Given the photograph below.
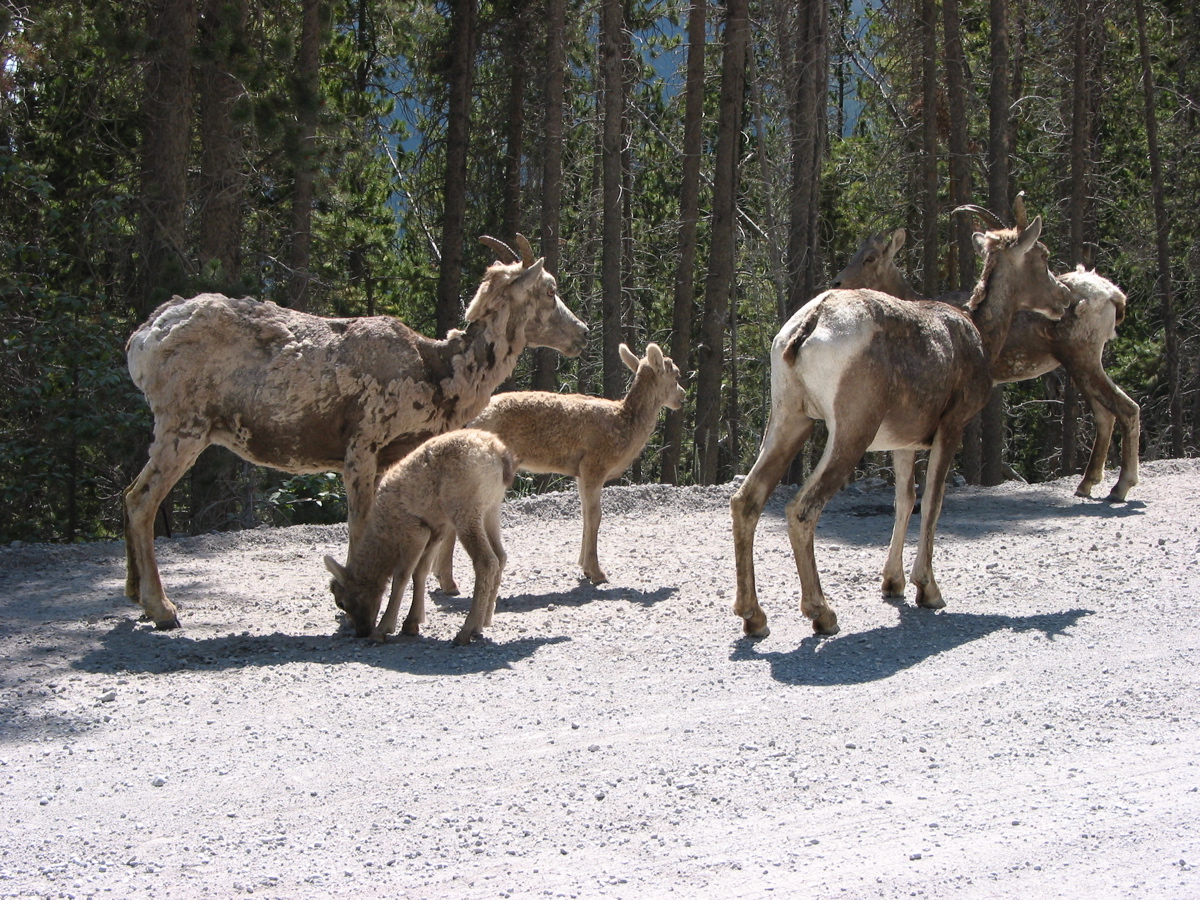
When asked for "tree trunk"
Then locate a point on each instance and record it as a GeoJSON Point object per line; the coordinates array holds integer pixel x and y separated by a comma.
{"type": "Point", "coordinates": [929, 149]}
{"type": "Point", "coordinates": [460, 83]}
{"type": "Point", "coordinates": [167, 105]}
{"type": "Point", "coordinates": [546, 360]}
{"type": "Point", "coordinates": [960, 151]}
{"type": "Point", "coordinates": [514, 145]}
{"type": "Point", "coordinates": [809, 64]}
{"type": "Point", "coordinates": [999, 150]}
{"type": "Point", "coordinates": [611, 249]}
{"type": "Point", "coordinates": [684, 305]}
{"type": "Point", "coordinates": [222, 168]}
{"type": "Point", "coordinates": [718, 285]}
{"type": "Point", "coordinates": [307, 99]}
{"type": "Point", "coordinates": [1162, 234]}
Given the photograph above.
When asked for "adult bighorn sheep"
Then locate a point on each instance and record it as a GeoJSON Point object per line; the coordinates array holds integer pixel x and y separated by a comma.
{"type": "Point", "coordinates": [454, 482]}
{"type": "Point", "coordinates": [303, 393]}
{"type": "Point", "coordinates": [591, 439]}
{"type": "Point", "coordinates": [884, 374]}
{"type": "Point", "coordinates": [1036, 345]}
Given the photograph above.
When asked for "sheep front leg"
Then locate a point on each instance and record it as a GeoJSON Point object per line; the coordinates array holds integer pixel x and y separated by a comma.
{"type": "Point", "coordinates": [171, 454]}
{"type": "Point", "coordinates": [945, 441]}
{"type": "Point", "coordinates": [359, 476]}
{"type": "Point", "coordinates": [590, 487]}
{"type": "Point", "coordinates": [412, 550]}
{"type": "Point", "coordinates": [487, 580]}
{"type": "Point", "coordinates": [904, 462]}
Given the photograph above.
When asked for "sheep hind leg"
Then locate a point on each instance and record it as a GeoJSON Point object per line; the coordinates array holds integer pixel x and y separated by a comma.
{"type": "Point", "coordinates": [475, 541]}
{"type": "Point", "coordinates": [491, 524]}
{"type": "Point", "coordinates": [416, 611]}
{"type": "Point", "coordinates": [141, 500]}
{"type": "Point", "coordinates": [443, 567]}
{"type": "Point", "coordinates": [786, 433]}
{"type": "Point", "coordinates": [843, 450]}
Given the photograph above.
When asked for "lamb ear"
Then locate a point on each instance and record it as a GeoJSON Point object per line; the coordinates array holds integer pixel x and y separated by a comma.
{"type": "Point", "coordinates": [654, 356]}
{"type": "Point", "coordinates": [979, 242]}
{"type": "Point", "coordinates": [628, 358]}
{"type": "Point", "coordinates": [339, 573]}
{"type": "Point", "coordinates": [896, 242]}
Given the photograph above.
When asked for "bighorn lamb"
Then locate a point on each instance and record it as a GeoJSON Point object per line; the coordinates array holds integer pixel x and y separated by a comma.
{"type": "Point", "coordinates": [589, 438]}
{"type": "Point", "coordinates": [1036, 345]}
{"type": "Point", "coordinates": [308, 394]}
{"type": "Point", "coordinates": [884, 374]}
{"type": "Point", "coordinates": [452, 482]}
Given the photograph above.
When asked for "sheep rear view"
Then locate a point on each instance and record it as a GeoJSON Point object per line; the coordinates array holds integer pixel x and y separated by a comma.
{"type": "Point", "coordinates": [452, 483]}
{"type": "Point", "coordinates": [591, 439]}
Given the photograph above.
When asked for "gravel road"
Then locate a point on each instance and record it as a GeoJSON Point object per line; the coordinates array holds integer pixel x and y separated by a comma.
{"type": "Point", "coordinates": [1037, 738]}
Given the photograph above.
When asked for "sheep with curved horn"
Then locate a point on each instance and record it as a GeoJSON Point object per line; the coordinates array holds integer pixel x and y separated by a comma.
{"type": "Point", "coordinates": [308, 394]}
{"type": "Point", "coordinates": [884, 374]}
{"type": "Point", "coordinates": [1035, 346]}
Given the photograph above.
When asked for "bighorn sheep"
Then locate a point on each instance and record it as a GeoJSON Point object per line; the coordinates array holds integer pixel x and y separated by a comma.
{"type": "Point", "coordinates": [308, 394]}
{"type": "Point", "coordinates": [884, 374]}
{"type": "Point", "coordinates": [452, 482]}
{"type": "Point", "coordinates": [589, 438]}
{"type": "Point", "coordinates": [1036, 345]}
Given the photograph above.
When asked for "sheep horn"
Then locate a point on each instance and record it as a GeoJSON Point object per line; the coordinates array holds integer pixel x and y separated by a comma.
{"type": "Point", "coordinates": [1021, 214]}
{"type": "Point", "coordinates": [526, 250]}
{"type": "Point", "coordinates": [507, 254]}
{"type": "Point", "coordinates": [986, 214]}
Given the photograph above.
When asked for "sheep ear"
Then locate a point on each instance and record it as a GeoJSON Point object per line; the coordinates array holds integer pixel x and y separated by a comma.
{"type": "Point", "coordinates": [628, 358]}
{"type": "Point", "coordinates": [979, 243]}
{"type": "Point", "coordinates": [654, 356]}
{"type": "Point", "coordinates": [897, 241]}
{"type": "Point", "coordinates": [339, 573]}
{"type": "Point", "coordinates": [1030, 235]}
{"type": "Point", "coordinates": [532, 274]}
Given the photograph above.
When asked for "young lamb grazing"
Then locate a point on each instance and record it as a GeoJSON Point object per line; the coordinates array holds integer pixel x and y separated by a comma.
{"type": "Point", "coordinates": [1036, 345]}
{"type": "Point", "coordinates": [884, 374]}
{"type": "Point", "coordinates": [308, 394]}
{"type": "Point", "coordinates": [454, 482]}
{"type": "Point", "coordinates": [589, 438]}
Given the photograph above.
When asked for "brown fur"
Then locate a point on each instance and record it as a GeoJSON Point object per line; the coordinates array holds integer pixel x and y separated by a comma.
{"type": "Point", "coordinates": [303, 393]}
{"type": "Point", "coordinates": [452, 482]}
{"type": "Point", "coordinates": [884, 374]}
{"type": "Point", "coordinates": [1036, 345]}
{"type": "Point", "coordinates": [591, 439]}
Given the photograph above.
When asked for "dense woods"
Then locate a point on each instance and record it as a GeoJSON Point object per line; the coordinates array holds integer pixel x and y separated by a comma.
{"type": "Point", "coordinates": [692, 171]}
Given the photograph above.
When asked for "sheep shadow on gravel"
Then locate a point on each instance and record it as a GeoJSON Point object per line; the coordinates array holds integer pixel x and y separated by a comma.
{"type": "Point", "coordinates": [125, 649]}
{"type": "Point", "coordinates": [584, 593]}
{"type": "Point", "coordinates": [879, 653]}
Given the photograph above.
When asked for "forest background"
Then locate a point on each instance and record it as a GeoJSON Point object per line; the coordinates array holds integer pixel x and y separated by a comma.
{"type": "Point", "coordinates": [692, 171]}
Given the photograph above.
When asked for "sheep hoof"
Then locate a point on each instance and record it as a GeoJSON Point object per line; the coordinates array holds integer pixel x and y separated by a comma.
{"type": "Point", "coordinates": [167, 624]}
{"type": "Point", "coordinates": [410, 628]}
{"type": "Point", "coordinates": [826, 623]}
{"type": "Point", "coordinates": [893, 589]}
{"type": "Point", "coordinates": [598, 579]}
{"type": "Point", "coordinates": [449, 588]}
{"type": "Point", "coordinates": [931, 600]}
{"type": "Point", "coordinates": [755, 625]}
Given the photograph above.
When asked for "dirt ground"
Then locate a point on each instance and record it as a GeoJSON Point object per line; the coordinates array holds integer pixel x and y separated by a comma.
{"type": "Point", "coordinates": [1037, 738]}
